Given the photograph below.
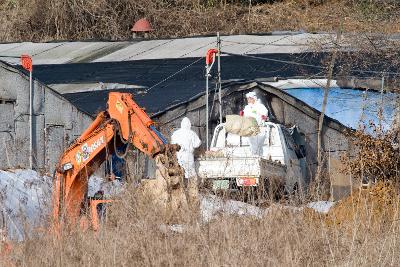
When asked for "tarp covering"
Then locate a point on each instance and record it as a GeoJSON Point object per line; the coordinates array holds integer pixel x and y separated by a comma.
{"type": "Point", "coordinates": [351, 107]}
{"type": "Point", "coordinates": [24, 201]}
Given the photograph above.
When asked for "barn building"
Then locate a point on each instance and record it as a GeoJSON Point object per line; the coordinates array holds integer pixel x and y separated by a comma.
{"type": "Point", "coordinates": [56, 122]}
{"type": "Point", "coordinates": [166, 77]}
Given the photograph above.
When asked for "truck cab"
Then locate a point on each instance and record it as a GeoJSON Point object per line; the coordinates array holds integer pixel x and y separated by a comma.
{"type": "Point", "coordinates": [230, 159]}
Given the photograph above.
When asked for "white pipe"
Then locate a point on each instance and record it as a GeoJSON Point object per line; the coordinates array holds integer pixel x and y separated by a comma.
{"type": "Point", "coordinates": [219, 77]}
{"type": "Point", "coordinates": [30, 121]}
{"type": "Point", "coordinates": [207, 70]}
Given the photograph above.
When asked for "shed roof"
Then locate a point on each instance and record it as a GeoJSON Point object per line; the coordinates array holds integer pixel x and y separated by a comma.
{"type": "Point", "coordinates": [85, 52]}
{"type": "Point", "coordinates": [161, 73]}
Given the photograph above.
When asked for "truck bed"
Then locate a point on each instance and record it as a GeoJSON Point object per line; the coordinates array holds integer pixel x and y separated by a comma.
{"type": "Point", "coordinates": [222, 167]}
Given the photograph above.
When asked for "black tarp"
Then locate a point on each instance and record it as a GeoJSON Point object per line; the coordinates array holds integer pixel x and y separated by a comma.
{"type": "Point", "coordinates": [175, 80]}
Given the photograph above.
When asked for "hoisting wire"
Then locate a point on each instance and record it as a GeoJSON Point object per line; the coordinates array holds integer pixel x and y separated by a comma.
{"type": "Point", "coordinates": [214, 98]}
{"type": "Point", "coordinates": [127, 142]}
{"type": "Point", "coordinates": [108, 163]}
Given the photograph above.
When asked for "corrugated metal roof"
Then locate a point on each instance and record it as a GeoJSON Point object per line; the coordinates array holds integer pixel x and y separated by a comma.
{"type": "Point", "coordinates": [85, 52]}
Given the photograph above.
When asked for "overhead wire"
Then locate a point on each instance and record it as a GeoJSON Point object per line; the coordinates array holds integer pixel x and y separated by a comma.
{"type": "Point", "coordinates": [309, 65]}
{"type": "Point", "coordinates": [274, 60]}
{"type": "Point", "coordinates": [151, 87]}
{"type": "Point", "coordinates": [185, 67]}
{"type": "Point", "coordinates": [174, 74]}
{"type": "Point", "coordinates": [272, 43]}
{"type": "Point", "coordinates": [294, 62]}
{"type": "Point", "coordinates": [147, 50]}
{"type": "Point", "coordinates": [263, 44]}
{"type": "Point", "coordinates": [165, 79]}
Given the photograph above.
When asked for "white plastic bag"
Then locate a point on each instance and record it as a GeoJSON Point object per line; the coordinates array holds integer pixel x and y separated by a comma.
{"type": "Point", "coordinates": [243, 126]}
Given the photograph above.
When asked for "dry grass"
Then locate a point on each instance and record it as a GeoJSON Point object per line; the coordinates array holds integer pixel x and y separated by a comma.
{"type": "Point", "coordinates": [44, 20]}
{"type": "Point", "coordinates": [132, 236]}
{"type": "Point", "coordinates": [363, 229]}
{"type": "Point", "coordinates": [377, 154]}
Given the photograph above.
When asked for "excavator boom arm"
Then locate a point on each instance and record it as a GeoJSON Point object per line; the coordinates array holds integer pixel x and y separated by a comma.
{"type": "Point", "coordinates": [124, 120]}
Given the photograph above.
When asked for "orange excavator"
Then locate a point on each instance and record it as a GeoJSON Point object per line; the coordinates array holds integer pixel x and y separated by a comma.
{"type": "Point", "coordinates": [123, 123]}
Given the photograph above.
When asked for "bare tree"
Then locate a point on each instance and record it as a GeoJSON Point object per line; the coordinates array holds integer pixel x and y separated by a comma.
{"type": "Point", "coordinates": [322, 115]}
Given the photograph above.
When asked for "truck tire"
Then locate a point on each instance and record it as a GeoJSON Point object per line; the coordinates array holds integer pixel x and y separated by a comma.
{"type": "Point", "coordinates": [273, 188]}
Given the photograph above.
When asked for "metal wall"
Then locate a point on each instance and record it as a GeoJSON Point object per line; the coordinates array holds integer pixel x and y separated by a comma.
{"type": "Point", "coordinates": [56, 122]}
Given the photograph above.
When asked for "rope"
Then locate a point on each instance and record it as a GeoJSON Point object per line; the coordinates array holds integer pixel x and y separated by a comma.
{"type": "Point", "coordinates": [108, 164]}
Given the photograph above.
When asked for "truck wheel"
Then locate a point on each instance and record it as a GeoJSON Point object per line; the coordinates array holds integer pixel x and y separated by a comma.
{"type": "Point", "coordinates": [273, 189]}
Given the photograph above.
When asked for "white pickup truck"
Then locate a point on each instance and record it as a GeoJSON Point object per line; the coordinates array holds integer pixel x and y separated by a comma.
{"type": "Point", "coordinates": [230, 164]}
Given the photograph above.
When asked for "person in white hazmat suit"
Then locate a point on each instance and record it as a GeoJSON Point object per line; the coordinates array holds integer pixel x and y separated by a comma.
{"type": "Point", "coordinates": [257, 110]}
{"type": "Point", "coordinates": [188, 141]}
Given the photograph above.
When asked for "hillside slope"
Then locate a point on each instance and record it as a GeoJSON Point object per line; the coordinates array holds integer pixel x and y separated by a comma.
{"type": "Point", "coordinates": [45, 20]}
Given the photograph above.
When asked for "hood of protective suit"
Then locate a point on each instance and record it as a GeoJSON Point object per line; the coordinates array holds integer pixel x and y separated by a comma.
{"type": "Point", "coordinates": [185, 124]}
{"type": "Point", "coordinates": [252, 95]}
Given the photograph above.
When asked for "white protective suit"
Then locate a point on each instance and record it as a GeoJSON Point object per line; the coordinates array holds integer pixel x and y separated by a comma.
{"type": "Point", "coordinates": [259, 112]}
{"type": "Point", "coordinates": [188, 140]}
